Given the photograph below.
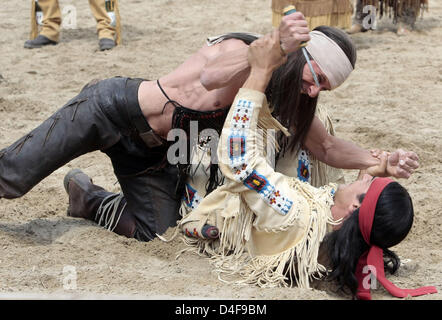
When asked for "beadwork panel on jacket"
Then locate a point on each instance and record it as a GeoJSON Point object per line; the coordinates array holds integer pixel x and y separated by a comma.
{"type": "Point", "coordinates": [241, 168]}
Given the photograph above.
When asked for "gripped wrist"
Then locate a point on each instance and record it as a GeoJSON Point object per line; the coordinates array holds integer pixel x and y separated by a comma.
{"type": "Point", "coordinates": [261, 73]}
{"type": "Point", "coordinates": [258, 79]}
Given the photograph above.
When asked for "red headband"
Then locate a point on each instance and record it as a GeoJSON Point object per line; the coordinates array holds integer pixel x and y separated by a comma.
{"type": "Point", "coordinates": [372, 261]}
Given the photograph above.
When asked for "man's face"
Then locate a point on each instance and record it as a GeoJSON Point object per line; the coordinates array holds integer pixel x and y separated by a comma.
{"type": "Point", "coordinates": [308, 82]}
{"type": "Point", "coordinates": [350, 192]}
{"type": "Point", "coordinates": [348, 198]}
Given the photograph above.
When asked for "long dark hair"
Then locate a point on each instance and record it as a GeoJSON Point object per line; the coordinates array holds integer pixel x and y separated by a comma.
{"type": "Point", "coordinates": [392, 221]}
{"type": "Point", "coordinates": [292, 108]}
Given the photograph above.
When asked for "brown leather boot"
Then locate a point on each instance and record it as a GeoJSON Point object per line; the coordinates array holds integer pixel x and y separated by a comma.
{"type": "Point", "coordinates": [84, 197]}
{"type": "Point", "coordinates": [89, 201]}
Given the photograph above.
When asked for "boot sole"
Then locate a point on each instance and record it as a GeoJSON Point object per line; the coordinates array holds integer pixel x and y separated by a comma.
{"type": "Point", "coordinates": [105, 48]}
{"type": "Point", "coordinates": [31, 46]}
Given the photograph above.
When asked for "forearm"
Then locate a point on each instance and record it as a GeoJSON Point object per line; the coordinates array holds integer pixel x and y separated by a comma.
{"type": "Point", "coordinates": [243, 163]}
{"type": "Point", "coordinates": [336, 152]}
{"type": "Point", "coordinates": [344, 154]}
{"type": "Point", "coordinates": [236, 147]}
{"type": "Point", "coordinates": [239, 133]}
{"type": "Point", "coordinates": [243, 117]}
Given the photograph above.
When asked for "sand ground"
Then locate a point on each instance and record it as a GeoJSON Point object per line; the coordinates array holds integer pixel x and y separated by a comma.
{"type": "Point", "coordinates": [393, 99]}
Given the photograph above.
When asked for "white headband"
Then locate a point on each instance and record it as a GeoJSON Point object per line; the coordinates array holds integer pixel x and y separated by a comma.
{"type": "Point", "coordinates": [330, 58]}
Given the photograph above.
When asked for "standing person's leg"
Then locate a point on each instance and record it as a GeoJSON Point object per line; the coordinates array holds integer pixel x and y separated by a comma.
{"type": "Point", "coordinates": [104, 13]}
{"type": "Point", "coordinates": [358, 19]}
{"type": "Point", "coordinates": [80, 126]}
{"type": "Point", "coordinates": [50, 31]}
{"type": "Point", "coordinates": [406, 21]}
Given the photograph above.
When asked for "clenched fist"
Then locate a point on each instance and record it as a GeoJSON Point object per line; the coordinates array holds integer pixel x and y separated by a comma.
{"type": "Point", "coordinates": [293, 30]}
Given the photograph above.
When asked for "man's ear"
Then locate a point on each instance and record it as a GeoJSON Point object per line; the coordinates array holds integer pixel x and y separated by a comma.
{"type": "Point", "coordinates": [355, 204]}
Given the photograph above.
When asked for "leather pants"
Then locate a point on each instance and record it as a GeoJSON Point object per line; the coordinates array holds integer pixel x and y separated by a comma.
{"type": "Point", "coordinates": [98, 118]}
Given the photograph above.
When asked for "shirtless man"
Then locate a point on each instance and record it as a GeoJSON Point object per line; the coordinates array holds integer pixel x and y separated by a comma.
{"type": "Point", "coordinates": [128, 119]}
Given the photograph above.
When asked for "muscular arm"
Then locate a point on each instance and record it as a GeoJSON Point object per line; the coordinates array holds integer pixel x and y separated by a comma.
{"type": "Point", "coordinates": [337, 152]}
{"type": "Point", "coordinates": [228, 64]}
{"type": "Point", "coordinates": [231, 62]}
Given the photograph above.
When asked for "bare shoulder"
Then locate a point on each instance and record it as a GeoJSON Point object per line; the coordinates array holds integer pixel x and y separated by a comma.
{"type": "Point", "coordinates": [232, 44]}
{"type": "Point", "coordinates": [224, 46]}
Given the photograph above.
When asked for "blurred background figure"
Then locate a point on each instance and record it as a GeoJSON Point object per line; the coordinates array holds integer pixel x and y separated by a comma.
{"type": "Point", "coordinates": [403, 12]}
{"type": "Point", "coordinates": [333, 13]}
{"type": "Point", "coordinates": [46, 13]}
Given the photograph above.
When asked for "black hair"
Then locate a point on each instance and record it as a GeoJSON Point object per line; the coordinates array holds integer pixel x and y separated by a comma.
{"type": "Point", "coordinates": [392, 221]}
{"type": "Point", "coordinates": [292, 108]}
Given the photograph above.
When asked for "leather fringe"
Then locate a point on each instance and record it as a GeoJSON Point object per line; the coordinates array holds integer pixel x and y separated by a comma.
{"type": "Point", "coordinates": [297, 265]}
